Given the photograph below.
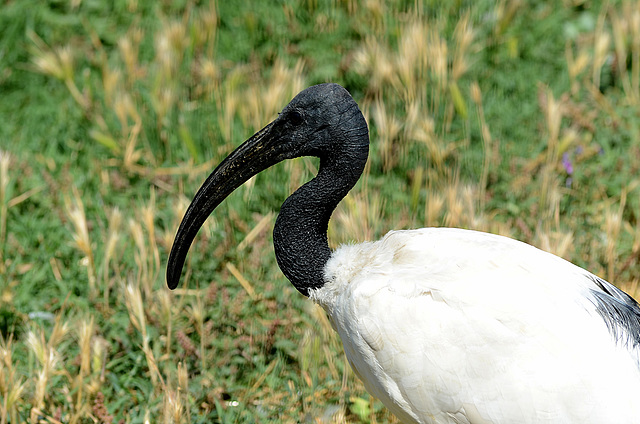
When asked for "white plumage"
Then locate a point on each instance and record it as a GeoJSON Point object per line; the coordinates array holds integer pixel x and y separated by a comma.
{"type": "Point", "coordinates": [456, 326]}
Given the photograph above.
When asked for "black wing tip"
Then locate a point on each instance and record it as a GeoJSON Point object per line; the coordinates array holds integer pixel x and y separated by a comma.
{"type": "Point", "coordinates": [620, 312]}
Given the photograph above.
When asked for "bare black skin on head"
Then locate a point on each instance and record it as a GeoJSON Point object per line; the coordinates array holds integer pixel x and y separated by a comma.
{"type": "Point", "coordinates": [322, 121]}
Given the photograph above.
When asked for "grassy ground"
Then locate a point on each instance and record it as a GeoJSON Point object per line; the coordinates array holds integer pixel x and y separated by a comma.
{"type": "Point", "coordinates": [516, 117]}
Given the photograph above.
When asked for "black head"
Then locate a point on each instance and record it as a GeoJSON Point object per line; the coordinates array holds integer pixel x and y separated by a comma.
{"type": "Point", "coordinates": [318, 121]}
{"type": "Point", "coordinates": [322, 121]}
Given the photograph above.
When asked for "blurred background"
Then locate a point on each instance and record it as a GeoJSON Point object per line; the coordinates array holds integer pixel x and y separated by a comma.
{"type": "Point", "coordinates": [515, 117]}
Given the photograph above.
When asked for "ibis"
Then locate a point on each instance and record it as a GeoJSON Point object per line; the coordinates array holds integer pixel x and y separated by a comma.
{"type": "Point", "coordinates": [443, 325]}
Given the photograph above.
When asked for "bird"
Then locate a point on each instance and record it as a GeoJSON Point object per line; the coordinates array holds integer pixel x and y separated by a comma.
{"type": "Point", "coordinates": [443, 325]}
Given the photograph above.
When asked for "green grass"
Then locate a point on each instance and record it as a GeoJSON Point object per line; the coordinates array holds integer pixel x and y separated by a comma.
{"type": "Point", "coordinates": [112, 115]}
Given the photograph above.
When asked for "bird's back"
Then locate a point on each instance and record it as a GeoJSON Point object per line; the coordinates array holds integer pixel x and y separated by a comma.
{"type": "Point", "coordinates": [457, 326]}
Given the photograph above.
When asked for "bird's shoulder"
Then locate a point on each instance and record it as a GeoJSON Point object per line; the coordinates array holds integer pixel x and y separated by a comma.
{"type": "Point", "coordinates": [446, 258]}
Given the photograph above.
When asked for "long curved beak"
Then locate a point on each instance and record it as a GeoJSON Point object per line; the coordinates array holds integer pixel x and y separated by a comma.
{"type": "Point", "coordinates": [256, 154]}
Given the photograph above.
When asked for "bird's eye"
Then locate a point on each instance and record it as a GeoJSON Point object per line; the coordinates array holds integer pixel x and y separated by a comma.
{"type": "Point", "coordinates": [295, 117]}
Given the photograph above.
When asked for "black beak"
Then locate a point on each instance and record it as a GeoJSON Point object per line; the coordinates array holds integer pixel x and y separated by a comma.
{"type": "Point", "coordinates": [256, 154]}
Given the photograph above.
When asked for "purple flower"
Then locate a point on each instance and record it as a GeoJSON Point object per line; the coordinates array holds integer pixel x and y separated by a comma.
{"type": "Point", "coordinates": [566, 163]}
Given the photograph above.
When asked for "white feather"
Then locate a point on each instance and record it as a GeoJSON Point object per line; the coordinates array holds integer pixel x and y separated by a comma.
{"type": "Point", "coordinates": [457, 326]}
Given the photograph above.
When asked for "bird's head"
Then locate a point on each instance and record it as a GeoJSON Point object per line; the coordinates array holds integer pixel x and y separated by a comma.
{"type": "Point", "coordinates": [323, 121]}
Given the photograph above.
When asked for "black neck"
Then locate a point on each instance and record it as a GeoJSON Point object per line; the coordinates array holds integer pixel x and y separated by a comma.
{"type": "Point", "coordinates": [300, 232]}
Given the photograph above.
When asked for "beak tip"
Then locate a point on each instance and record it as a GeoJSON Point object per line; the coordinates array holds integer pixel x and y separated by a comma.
{"type": "Point", "coordinates": [173, 278]}
{"type": "Point", "coordinates": [176, 259]}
